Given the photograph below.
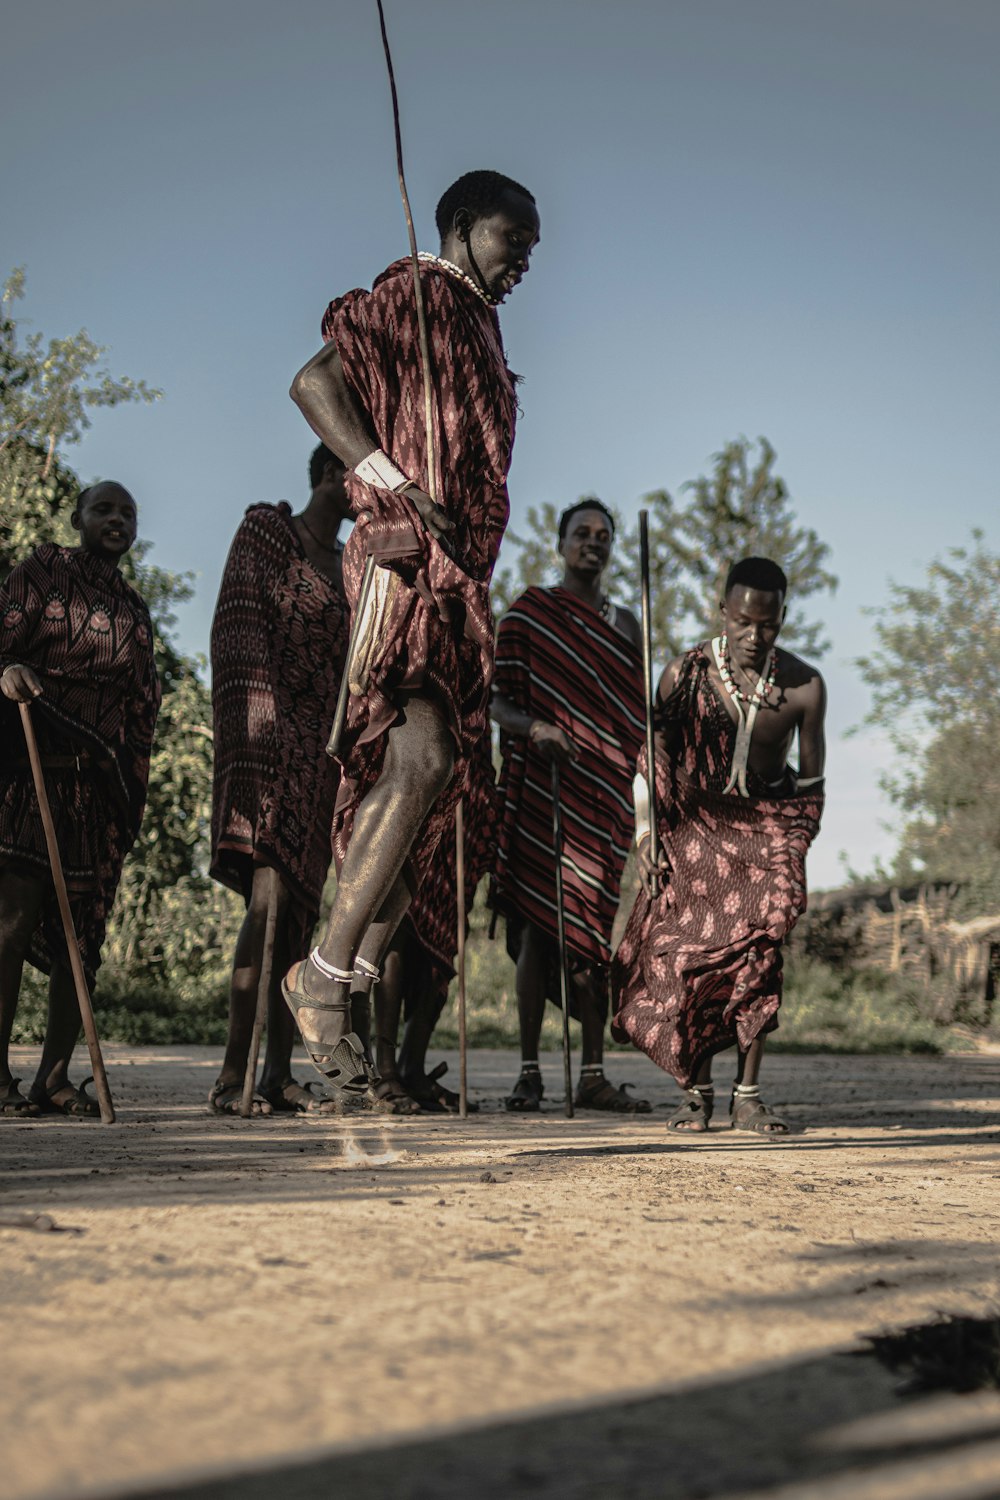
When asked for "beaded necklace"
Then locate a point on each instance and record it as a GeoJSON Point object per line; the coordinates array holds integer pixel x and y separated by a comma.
{"type": "Point", "coordinates": [460, 275]}
{"type": "Point", "coordinates": [744, 721]}
{"type": "Point", "coordinates": [764, 686]}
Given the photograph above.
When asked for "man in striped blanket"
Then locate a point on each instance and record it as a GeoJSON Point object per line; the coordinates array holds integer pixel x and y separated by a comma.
{"type": "Point", "coordinates": [567, 690]}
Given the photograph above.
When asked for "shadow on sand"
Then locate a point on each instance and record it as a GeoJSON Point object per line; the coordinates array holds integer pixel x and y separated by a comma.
{"type": "Point", "coordinates": [833, 1426]}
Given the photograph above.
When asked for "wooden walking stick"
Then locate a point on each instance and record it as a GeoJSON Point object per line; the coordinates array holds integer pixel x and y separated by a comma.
{"type": "Point", "coordinates": [263, 994]}
{"type": "Point", "coordinates": [557, 841]}
{"type": "Point", "coordinates": [463, 1077]}
{"type": "Point", "coordinates": [72, 946]}
{"type": "Point", "coordinates": [647, 683]}
{"type": "Point", "coordinates": [425, 364]}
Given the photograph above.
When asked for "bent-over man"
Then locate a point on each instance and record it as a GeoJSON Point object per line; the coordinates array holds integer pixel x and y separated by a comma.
{"type": "Point", "coordinates": [279, 641]}
{"type": "Point", "coordinates": [568, 691]}
{"type": "Point", "coordinates": [420, 680]}
{"type": "Point", "coordinates": [699, 966]}
{"type": "Point", "coordinates": [76, 642]}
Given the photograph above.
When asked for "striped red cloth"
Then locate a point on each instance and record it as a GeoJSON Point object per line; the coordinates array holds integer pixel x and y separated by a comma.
{"type": "Point", "coordinates": [561, 661]}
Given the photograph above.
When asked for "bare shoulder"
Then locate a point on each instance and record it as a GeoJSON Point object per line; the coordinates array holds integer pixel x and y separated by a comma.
{"type": "Point", "coordinates": [670, 678]}
{"type": "Point", "coordinates": [800, 678]}
{"type": "Point", "coordinates": [626, 622]}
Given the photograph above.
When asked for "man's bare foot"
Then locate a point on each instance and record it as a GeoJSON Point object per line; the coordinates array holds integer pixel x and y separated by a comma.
{"type": "Point", "coordinates": [292, 1097]}
{"type": "Point", "coordinates": [65, 1099]}
{"type": "Point", "coordinates": [225, 1097]}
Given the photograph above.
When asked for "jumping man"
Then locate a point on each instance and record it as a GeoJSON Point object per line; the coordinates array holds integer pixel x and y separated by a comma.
{"type": "Point", "coordinates": [420, 681]}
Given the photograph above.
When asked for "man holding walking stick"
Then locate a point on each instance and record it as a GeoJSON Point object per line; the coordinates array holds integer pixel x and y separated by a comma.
{"type": "Point", "coordinates": [76, 643]}
{"type": "Point", "coordinates": [420, 677]}
{"type": "Point", "coordinates": [567, 692]}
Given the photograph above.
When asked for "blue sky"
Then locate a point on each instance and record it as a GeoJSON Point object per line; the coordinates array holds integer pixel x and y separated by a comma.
{"type": "Point", "coordinates": [771, 217]}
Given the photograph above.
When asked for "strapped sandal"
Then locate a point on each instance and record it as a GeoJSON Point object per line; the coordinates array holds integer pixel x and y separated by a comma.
{"type": "Point", "coordinates": [693, 1116]}
{"type": "Point", "coordinates": [747, 1111]}
{"type": "Point", "coordinates": [14, 1104]}
{"type": "Point", "coordinates": [294, 1098]}
{"type": "Point", "coordinates": [433, 1097]}
{"type": "Point", "coordinates": [226, 1098]}
{"type": "Point", "coordinates": [387, 1096]}
{"type": "Point", "coordinates": [594, 1091]}
{"type": "Point", "coordinates": [343, 1062]}
{"type": "Point", "coordinates": [80, 1105]}
{"type": "Point", "coordinates": [526, 1095]}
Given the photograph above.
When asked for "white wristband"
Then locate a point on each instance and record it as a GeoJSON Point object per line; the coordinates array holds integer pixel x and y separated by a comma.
{"type": "Point", "coordinates": [378, 469]}
{"type": "Point", "coordinates": [640, 796]}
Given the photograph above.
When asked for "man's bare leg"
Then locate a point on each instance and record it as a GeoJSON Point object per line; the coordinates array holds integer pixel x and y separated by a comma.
{"type": "Point", "coordinates": [247, 960]}
{"type": "Point", "coordinates": [695, 1113]}
{"type": "Point", "coordinates": [21, 899]}
{"type": "Point", "coordinates": [532, 962]}
{"type": "Point", "coordinates": [419, 762]}
{"type": "Point", "coordinates": [594, 1090]}
{"type": "Point", "coordinates": [749, 1112]}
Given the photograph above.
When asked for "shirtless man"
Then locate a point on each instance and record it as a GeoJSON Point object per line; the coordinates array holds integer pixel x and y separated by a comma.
{"type": "Point", "coordinates": [699, 967]}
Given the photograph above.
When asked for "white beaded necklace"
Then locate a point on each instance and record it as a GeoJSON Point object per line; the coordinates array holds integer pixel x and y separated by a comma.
{"type": "Point", "coordinates": [754, 701]}
{"type": "Point", "coordinates": [459, 274]}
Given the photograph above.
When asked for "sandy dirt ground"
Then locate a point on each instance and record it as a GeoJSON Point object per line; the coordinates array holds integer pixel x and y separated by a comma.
{"type": "Point", "coordinates": [510, 1306]}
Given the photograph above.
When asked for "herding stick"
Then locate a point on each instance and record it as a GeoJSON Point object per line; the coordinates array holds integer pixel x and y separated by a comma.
{"type": "Point", "coordinates": [425, 363]}
{"type": "Point", "coordinates": [557, 842]}
{"type": "Point", "coordinates": [72, 946]}
{"type": "Point", "coordinates": [263, 994]}
{"type": "Point", "coordinates": [647, 683]}
{"type": "Point", "coordinates": [463, 1078]}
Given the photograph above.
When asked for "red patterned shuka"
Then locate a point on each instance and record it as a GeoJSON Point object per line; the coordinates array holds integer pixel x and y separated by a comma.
{"type": "Point", "coordinates": [87, 635]}
{"type": "Point", "coordinates": [279, 639]}
{"type": "Point", "coordinates": [437, 638]}
{"type": "Point", "coordinates": [699, 966]}
{"type": "Point", "coordinates": [561, 661]}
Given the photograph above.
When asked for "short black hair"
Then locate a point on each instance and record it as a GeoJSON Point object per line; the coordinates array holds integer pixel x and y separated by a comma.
{"type": "Point", "coordinates": [101, 484]}
{"type": "Point", "coordinates": [318, 460]}
{"type": "Point", "coordinates": [479, 192]}
{"type": "Point", "coordinates": [588, 502]}
{"type": "Point", "coordinates": [757, 573]}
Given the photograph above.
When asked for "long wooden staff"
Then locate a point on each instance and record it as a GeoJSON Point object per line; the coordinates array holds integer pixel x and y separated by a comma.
{"type": "Point", "coordinates": [263, 994]}
{"type": "Point", "coordinates": [647, 683]}
{"type": "Point", "coordinates": [432, 490]}
{"type": "Point", "coordinates": [557, 842]}
{"type": "Point", "coordinates": [368, 575]}
{"type": "Point", "coordinates": [463, 1078]}
{"type": "Point", "coordinates": [72, 946]}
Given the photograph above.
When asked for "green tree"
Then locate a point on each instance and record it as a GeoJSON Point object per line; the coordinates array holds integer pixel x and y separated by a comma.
{"type": "Point", "coordinates": [742, 507]}
{"type": "Point", "coordinates": [48, 391]}
{"type": "Point", "coordinates": [934, 675]}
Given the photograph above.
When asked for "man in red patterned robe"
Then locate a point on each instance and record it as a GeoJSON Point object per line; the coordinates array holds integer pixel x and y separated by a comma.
{"type": "Point", "coordinates": [568, 690]}
{"type": "Point", "coordinates": [279, 642]}
{"type": "Point", "coordinates": [699, 966]}
{"type": "Point", "coordinates": [76, 642]}
{"type": "Point", "coordinates": [420, 686]}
